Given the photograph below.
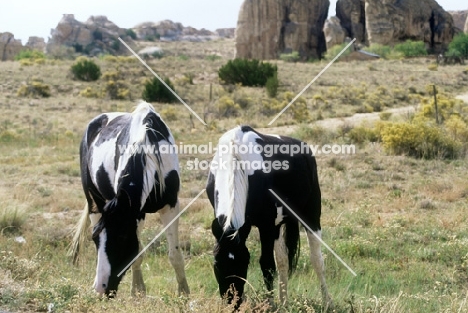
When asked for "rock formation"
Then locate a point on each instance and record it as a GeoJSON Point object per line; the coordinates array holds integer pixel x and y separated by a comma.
{"type": "Point", "coordinates": [352, 16]}
{"type": "Point", "coordinates": [36, 43]}
{"type": "Point", "coordinates": [267, 28]}
{"type": "Point", "coordinates": [334, 33]}
{"type": "Point", "coordinates": [9, 46]}
{"type": "Point", "coordinates": [168, 30]}
{"type": "Point", "coordinates": [459, 19]}
{"type": "Point", "coordinates": [466, 26]}
{"type": "Point", "coordinates": [391, 21]}
{"type": "Point", "coordinates": [97, 35]}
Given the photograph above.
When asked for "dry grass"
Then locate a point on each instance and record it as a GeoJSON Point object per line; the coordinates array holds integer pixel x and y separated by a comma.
{"type": "Point", "coordinates": [399, 222]}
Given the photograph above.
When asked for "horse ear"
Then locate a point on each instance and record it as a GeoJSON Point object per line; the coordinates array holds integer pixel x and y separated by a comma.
{"type": "Point", "coordinates": [216, 229]}
{"type": "Point", "coordinates": [123, 199]}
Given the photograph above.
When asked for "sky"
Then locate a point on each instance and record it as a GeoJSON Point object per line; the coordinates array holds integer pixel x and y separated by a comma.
{"type": "Point", "coordinates": [26, 18]}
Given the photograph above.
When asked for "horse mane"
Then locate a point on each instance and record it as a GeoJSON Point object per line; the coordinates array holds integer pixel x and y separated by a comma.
{"type": "Point", "coordinates": [142, 140]}
{"type": "Point", "coordinates": [233, 180]}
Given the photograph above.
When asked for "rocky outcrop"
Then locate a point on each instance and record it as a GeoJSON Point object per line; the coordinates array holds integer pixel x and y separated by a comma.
{"type": "Point", "coordinates": [334, 33]}
{"type": "Point", "coordinates": [97, 35]}
{"type": "Point", "coordinates": [36, 43]}
{"type": "Point", "coordinates": [466, 27]}
{"type": "Point", "coordinates": [352, 16]}
{"type": "Point", "coordinates": [459, 19]}
{"type": "Point", "coordinates": [267, 28]}
{"type": "Point", "coordinates": [168, 30]}
{"type": "Point", "coordinates": [391, 21]}
{"type": "Point", "coordinates": [388, 22]}
{"type": "Point", "coordinates": [9, 46]}
{"type": "Point", "coordinates": [226, 32]}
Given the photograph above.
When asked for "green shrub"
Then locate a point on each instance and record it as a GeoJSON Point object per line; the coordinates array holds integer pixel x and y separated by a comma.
{"type": "Point", "coordinates": [419, 139]}
{"type": "Point", "coordinates": [298, 109]}
{"type": "Point", "coordinates": [155, 91]}
{"type": "Point", "coordinates": [169, 113]}
{"type": "Point", "coordinates": [131, 33]}
{"type": "Point", "coordinates": [335, 50]}
{"type": "Point", "coordinates": [212, 57]}
{"type": "Point", "coordinates": [86, 70]}
{"type": "Point", "coordinates": [227, 107]}
{"type": "Point", "coordinates": [34, 88]}
{"type": "Point", "coordinates": [271, 106]}
{"type": "Point", "coordinates": [460, 44]}
{"type": "Point", "coordinates": [90, 92]}
{"type": "Point", "coordinates": [271, 85]}
{"type": "Point", "coordinates": [290, 57]}
{"type": "Point", "coordinates": [115, 86]}
{"type": "Point", "coordinates": [362, 134]}
{"type": "Point", "coordinates": [29, 54]}
{"type": "Point", "coordinates": [411, 48]}
{"type": "Point", "coordinates": [381, 50]}
{"type": "Point", "coordinates": [246, 72]}
{"type": "Point", "coordinates": [11, 220]}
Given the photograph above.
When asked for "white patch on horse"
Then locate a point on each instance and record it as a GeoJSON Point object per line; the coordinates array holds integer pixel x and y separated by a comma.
{"type": "Point", "coordinates": [103, 155]}
{"type": "Point", "coordinates": [279, 215]}
{"type": "Point", "coordinates": [274, 135]}
{"type": "Point", "coordinates": [103, 269]}
{"type": "Point", "coordinates": [235, 159]}
{"type": "Point", "coordinates": [231, 256]}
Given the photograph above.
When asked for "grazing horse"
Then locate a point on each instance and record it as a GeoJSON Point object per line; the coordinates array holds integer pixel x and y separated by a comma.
{"type": "Point", "coordinates": [246, 165]}
{"type": "Point", "coordinates": [124, 176]}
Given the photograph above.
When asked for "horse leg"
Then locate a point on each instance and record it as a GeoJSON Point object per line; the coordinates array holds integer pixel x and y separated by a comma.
{"type": "Point", "coordinates": [267, 260]}
{"type": "Point", "coordinates": [282, 264]}
{"type": "Point", "coordinates": [138, 285]}
{"type": "Point", "coordinates": [317, 263]}
{"type": "Point", "coordinates": [175, 256]}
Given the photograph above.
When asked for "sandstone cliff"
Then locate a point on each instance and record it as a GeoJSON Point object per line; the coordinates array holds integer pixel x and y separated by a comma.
{"type": "Point", "coordinates": [267, 28]}
{"type": "Point", "coordinates": [391, 21]}
{"type": "Point", "coordinates": [352, 16]}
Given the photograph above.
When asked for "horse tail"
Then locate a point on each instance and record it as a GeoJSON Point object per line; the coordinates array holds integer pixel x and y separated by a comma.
{"type": "Point", "coordinates": [80, 235]}
{"type": "Point", "coordinates": [293, 243]}
{"type": "Point", "coordinates": [232, 181]}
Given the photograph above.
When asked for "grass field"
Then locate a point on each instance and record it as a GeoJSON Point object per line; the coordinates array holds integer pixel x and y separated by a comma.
{"type": "Point", "coordinates": [399, 222]}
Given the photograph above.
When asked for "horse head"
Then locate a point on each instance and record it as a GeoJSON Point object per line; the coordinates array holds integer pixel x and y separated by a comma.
{"type": "Point", "coordinates": [115, 236]}
{"type": "Point", "coordinates": [231, 260]}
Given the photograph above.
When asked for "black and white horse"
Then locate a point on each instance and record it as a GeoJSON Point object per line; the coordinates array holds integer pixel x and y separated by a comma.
{"type": "Point", "coordinates": [246, 165]}
{"type": "Point", "coordinates": [124, 176]}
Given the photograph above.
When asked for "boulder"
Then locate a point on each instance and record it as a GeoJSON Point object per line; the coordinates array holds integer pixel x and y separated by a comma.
{"type": "Point", "coordinates": [9, 46]}
{"type": "Point", "coordinates": [334, 33]}
{"type": "Point", "coordinates": [267, 28]}
{"type": "Point", "coordinates": [392, 21]}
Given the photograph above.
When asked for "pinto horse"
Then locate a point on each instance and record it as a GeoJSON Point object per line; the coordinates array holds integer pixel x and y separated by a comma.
{"type": "Point", "coordinates": [124, 176]}
{"type": "Point", "coordinates": [246, 165]}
